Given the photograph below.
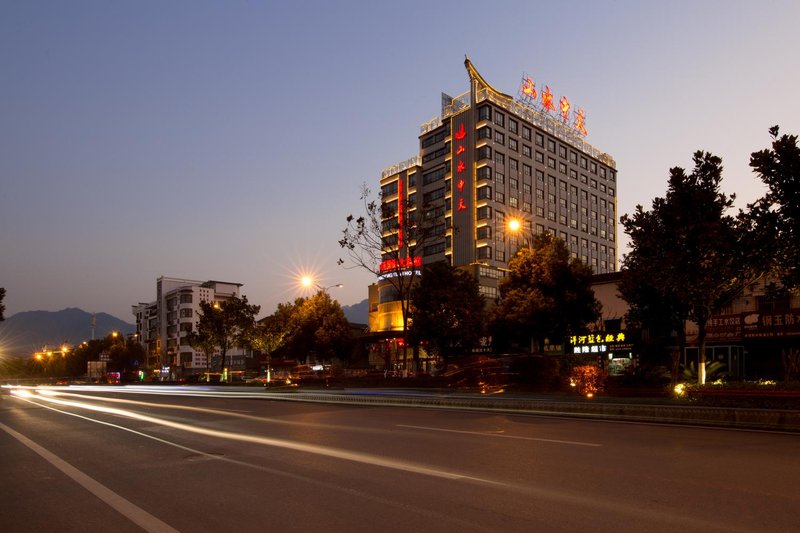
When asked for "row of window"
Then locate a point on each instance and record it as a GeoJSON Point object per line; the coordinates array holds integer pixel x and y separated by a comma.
{"type": "Point", "coordinates": [485, 113]}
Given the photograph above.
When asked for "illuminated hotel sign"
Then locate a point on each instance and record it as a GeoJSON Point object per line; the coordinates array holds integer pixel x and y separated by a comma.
{"type": "Point", "coordinates": [401, 263]}
{"type": "Point", "coordinates": [542, 101]}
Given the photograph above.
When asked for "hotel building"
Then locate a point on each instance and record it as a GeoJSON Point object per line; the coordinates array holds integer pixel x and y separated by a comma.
{"type": "Point", "coordinates": [490, 158]}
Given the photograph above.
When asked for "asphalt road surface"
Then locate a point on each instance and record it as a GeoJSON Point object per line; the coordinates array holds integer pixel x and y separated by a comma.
{"type": "Point", "coordinates": [122, 459]}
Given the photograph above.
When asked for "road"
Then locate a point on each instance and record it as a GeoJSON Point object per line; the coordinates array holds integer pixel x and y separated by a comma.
{"type": "Point", "coordinates": [125, 459]}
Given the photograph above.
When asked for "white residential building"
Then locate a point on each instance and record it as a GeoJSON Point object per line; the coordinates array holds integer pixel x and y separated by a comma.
{"type": "Point", "coordinates": [162, 326]}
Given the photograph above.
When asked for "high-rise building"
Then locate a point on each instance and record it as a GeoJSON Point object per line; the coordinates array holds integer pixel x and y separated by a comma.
{"type": "Point", "coordinates": [163, 325]}
{"type": "Point", "coordinates": [488, 159]}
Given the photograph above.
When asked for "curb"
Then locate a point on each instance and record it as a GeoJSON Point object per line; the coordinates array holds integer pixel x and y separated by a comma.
{"type": "Point", "coordinates": [761, 419]}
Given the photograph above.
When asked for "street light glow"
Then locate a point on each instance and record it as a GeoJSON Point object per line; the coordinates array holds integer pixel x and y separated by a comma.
{"type": "Point", "coordinates": [514, 224]}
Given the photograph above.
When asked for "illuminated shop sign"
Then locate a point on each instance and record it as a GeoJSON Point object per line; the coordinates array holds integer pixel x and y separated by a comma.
{"type": "Point", "coordinates": [752, 325]}
{"type": "Point", "coordinates": [542, 101]}
{"type": "Point", "coordinates": [601, 342]}
{"type": "Point", "coordinates": [461, 167]}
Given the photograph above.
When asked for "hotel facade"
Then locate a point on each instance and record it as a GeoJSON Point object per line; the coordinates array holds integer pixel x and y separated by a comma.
{"type": "Point", "coordinates": [490, 158]}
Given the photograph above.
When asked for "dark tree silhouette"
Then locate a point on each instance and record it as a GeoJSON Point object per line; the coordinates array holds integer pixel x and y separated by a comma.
{"type": "Point", "coordinates": [546, 294]}
{"type": "Point", "coordinates": [447, 310]}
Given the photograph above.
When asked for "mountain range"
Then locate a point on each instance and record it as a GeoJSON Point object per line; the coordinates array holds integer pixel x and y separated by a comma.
{"type": "Point", "coordinates": [24, 333]}
{"type": "Point", "coordinates": [357, 313]}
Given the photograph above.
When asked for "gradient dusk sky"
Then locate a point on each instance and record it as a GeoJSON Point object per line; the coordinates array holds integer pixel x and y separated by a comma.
{"type": "Point", "coordinates": [228, 140]}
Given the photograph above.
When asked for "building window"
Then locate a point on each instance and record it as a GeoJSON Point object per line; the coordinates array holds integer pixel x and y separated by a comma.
{"type": "Point", "coordinates": [431, 177]}
{"type": "Point", "coordinates": [593, 184]}
{"type": "Point", "coordinates": [513, 201]}
{"type": "Point", "coordinates": [499, 158]}
{"type": "Point", "coordinates": [484, 173]}
{"type": "Point", "coordinates": [500, 197]}
{"type": "Point", "coordinates": [562, 167]}
{"type": "Point", "coordinates": [551, 162]}
{"type": "Point", "coordinates": [526, 206]}
{"type": "Point", "coordinates": [500, 178]}
{"type": "Point", "coordinates": [540, 140]}
{"type": "Point", "coordinates": [434, 249]}
{"type": "Point", "coordinates": [562, 151]}
{"type": "Point", "coordinates": [539, 157]}
{"type": "Point", "coordinates": [513, 163]}
{"type": "Point", "coordinates": [593, 167]}
{"type": "Point", "coordinates": [540, 176]}
{"type": "Point", "coordinates": [551, 146]}
{"type": "Point", "coordinates": [389, 189]}
{"type": "Point", "coordinates": [499, 119]}
{"type": "Point", "coordinates": [484, 212]}
{"type": "Point", "coordinates": [526, 169]}
{"type": "Point", "coordinates": [485, 133]}
{"type": "Point", "coordinates": [485, 252]}
{"type": "Point", "coordinates": [512, 125]}
{"type": "Point", "coordinates": [484, 193]}
{"type": "Point", "coordinates": [540, 212]}
{"type": "Point", "coordinates": [485, 113]}
{"type": "Point", "coordinates": [551, 198]}
{"type": "Point", "coordinates": [573, 157]}
{"type": "Point", "coordinates": [484, 232]}
{"type": "Point", "coordinates": [489, 292]}
{"type": "Point", "coordinates": [484, 152]}
{"type": "Point", "coordinates": [526, 133]}
{"type": "Point", "coordinates": [539, 193]}
{"type": "Point", "coordinates": [186, 298]}
{"type": "Point", "coordinates": [499, 137]}
{"type": "Point", "coordinates": [611, 191]}
{"type": "Point", "coordinates": [526, 150]}
{"type": "Point", "coordinates": [526, 188]}
{"type": "Point", "coordinates": [186, 313]}
{"type": "Point", "coordinates": [513, 182]}
{"type": "Point", "coordinates": [500, 255]}
{"type": "Point", "coordinates": [512, 144]}
{"type": "Point", "coordinates": [583, 163]}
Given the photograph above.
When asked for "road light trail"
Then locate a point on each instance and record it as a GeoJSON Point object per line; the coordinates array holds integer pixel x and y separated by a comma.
{"type": "Point", "coordinates": [337, 453]}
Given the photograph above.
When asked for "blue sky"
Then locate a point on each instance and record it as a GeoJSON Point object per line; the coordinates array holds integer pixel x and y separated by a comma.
{"type": "Point", "coordinates": [228, 140]}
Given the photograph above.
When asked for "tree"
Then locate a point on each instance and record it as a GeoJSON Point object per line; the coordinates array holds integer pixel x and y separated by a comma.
{"type": "Point", "coordinates": [202, 341]}
{"type": "Point", "coordinates": [227, 324]}
{"type": "Point", "coordinates": [385, 241]}
{"type": "Point", "coordinates": [447, 310]}
{"type": "Point", "coordinates": [546, 294]}
{"type": "Point", "coordinates": [686, 253]}
{"type": "Point", "coordinates": [2, 306]}
{"type": "Point", "coordinates": [319, 326]}
{"type": "Point", "coordinates": [272, 332]}
{"type": "Point", "coordinates": [776, 216]}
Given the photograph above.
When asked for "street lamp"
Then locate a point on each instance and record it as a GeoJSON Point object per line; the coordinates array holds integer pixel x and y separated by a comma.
{"type": "Point", "coordinates": [308, 282]}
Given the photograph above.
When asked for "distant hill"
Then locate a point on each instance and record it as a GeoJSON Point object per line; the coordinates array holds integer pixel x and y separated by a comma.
{"type": "Point", "coordinates": [24, 333]}
{"type": "Point", "coordinates": [358, 313]}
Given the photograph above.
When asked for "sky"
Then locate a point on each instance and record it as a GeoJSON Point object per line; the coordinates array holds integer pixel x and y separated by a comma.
{"type": "Point", "coordinates": [229, 140]}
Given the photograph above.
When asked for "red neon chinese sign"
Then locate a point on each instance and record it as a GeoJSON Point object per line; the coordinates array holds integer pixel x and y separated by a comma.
{"type": "Point", "coordinates": [401, 263]}
{"type": "Point", "coordinates": [564, 108]}
{"type": "Point", "coordinates": [529, 88]}
{"type": "Point", "coordinates": [545, 103]}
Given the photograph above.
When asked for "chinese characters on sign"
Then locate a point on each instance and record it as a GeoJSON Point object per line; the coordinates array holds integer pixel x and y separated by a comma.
{"type": "Point", "coordinates": [595, 342]}
{"type": "Point", "coordinates": [461, 167]}
{"type": "Point", "coordinates": [543, 101]}
{"type": "Point", "coordinates": [402, 263]}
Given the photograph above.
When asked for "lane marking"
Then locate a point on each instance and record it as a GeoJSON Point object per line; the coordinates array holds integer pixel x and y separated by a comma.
{"type": "Point", "coordinates": [128, 509]}
{"type": "Point", "coordinates": [556, 441]}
